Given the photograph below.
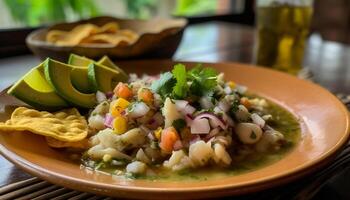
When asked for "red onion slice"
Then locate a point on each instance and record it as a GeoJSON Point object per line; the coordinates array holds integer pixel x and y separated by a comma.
{"type": "Point", "coordinates": [108, 120]}
{"type": "Point", "coordinates": [214, 120]}
{"type": "Point", "coordinates": [109, 95]}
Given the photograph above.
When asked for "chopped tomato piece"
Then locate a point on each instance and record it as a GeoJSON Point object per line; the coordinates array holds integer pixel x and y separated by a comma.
{"type": "Point", "coordinates": [168, 138]}
{"type": "Point", "coordinates": [122, 90]}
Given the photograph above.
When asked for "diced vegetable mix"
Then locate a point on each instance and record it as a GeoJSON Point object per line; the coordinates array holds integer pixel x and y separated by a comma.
{"type": "Point", "coordinates": [181, 120]}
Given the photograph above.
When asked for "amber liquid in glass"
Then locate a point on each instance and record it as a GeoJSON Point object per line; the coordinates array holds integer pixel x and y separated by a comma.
{"type": "Point", "coordinates": [282, 30]}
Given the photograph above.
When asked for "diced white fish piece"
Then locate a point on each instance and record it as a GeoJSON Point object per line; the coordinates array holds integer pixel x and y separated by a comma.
{"type": "Point", "coordinates": [141, 156]}
{"type": "Point", "coordinates": [220, 155]}
{"type": "Point", "coordinates": [200, 126]}
{"type": "Point", "coordinates": [200, 153]}
{"type": "Point", "coordinates": [257, 120]}
{"type": "Point", "coordinates": [98, 151]}
{"type": "Point", "coordinates": [136, 167]}
{"type": "Point", "coordinates": [96, 122]}
{"type": "Point", "coordinates": [170, 113]}
{"type": "Point", "coordinates": [174, 159]}
{"type": "Point", "coordinates": [248, 133]}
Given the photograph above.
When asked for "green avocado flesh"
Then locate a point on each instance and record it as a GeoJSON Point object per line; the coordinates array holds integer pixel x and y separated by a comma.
{"type": "Point", "coordinates": [102, 78]}
{"type": "Point", "coordinates": [79, 78]}
{"type": "Point", "coordinates": [78, 82]}
{"type": "Point", "coordinates": [105, 61]}
{"type": "Point", "coordinates": [79, 60]}
{"type": "Point", "coordinates": [59, 75]}
{"type": "Point", "coordinates": [109, 63]}
{"type": "Point", "coordinates": [34, 90]}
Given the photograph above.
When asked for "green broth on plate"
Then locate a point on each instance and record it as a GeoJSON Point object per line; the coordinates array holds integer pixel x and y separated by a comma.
{"type": "Point", "coordinates": [282, 121]}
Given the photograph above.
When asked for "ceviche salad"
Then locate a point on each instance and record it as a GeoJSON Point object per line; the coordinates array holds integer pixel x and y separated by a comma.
{"type": "Point", "coordinates": [185, 121]}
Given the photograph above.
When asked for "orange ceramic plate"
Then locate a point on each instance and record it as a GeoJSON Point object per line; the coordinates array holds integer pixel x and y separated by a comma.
{"type": "Point", "coordinates": [324, 122]}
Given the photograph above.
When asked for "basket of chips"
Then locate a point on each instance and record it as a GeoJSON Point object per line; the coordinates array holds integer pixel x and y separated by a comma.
{"type": "Point", "coordinates": [116, 38]}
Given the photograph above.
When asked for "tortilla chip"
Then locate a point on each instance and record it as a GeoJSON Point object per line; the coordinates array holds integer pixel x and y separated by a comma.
{"type": "Point", "coordinates": [110, 27]}
{"type": "Point", "coordinates": [54, 35]}
{"type": "Point", "coordinates": [83, 144]}
{"type": "Point", "coordinates": [129, 34]}
{"type": "Point", "coordinates": [76, 35]}
{"type": "Point", "coordinates": [109, 33]}
{"type": "Point", "coordinates": [66, 125]}
{"type": "Point", "coordinates": [107, 39]}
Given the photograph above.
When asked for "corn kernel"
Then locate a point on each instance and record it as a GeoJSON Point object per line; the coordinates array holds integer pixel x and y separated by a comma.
{"type": "Point", "coordinates": [231, 84]}
{"type": "Point", "coordinates": [119, 125]}
{"type": "Point", "coordinates": [158, 132]}
{"type": "Point", "coordinates": [120, 102]}
{"type": "Point", "coordinates": [106, 158]}
{"type": "Point", "coordinates": [118, 106]}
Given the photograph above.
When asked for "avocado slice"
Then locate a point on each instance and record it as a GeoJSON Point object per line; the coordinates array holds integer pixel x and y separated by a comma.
{"type": "Point", "coordinates": [79, 77]}
{"type": "Point", "coordinates": [80, 84]}
{"type": "Point", "coordinates": [102, 78]}
{"type": "Point", "coordinates": [34, 90]}
{"type": "Point", "coordinates": [59, 76]}
{"type": "Point", "coordinates": [77, 60]}
{"type": "Point", "coordinates": [106, 61]}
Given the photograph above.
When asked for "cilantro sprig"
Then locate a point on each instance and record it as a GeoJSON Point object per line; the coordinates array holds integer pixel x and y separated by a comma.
{"type": "Point", "coordinates": [180, 89]}
{"type": "Point", "coordinates": [164, 85]}
{"type": "Point", "coordinates": [204, 80]}
{"type": "Point", "coordinates": [179, 84]}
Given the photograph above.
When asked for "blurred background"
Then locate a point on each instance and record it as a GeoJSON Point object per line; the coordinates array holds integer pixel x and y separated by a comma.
{"type": "Point", "coordinates": [32, 13]}
{"type": "Point", "coordinates": [331, 18]}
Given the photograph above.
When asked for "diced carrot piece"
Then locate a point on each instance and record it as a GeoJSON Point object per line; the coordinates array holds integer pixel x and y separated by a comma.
{"type": "Point", "coordinates": [168, 138]}
{"type": "Point", "coordinates": [122, 90]}
{"type": "Point", "coordinates": [145, 95]}
{"type": "Point", "coordinates": [245, 102]}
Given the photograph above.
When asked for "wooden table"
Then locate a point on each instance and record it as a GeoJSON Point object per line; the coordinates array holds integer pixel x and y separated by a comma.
{"type": "Point", "coordinates": [329, 62]}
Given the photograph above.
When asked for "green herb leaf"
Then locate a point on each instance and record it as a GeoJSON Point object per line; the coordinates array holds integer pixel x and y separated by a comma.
{"type": "Point", "coordinates": [180, 90]}
{"type": "Point", "coordinates": [179, 124]}
{"type": "Point", "coordinates": [131, 107]}
{"type": "Point", "coordinates": [204, 80]}
{"type": "Point", "coordinates": [235, 105]}
{"type": "Point", "coordinates": [154, 145]}
{"type": "Point", "coordinates": [164, 85]}
{"type": "Point", "coordinates": [253, 135]}
{"type": "Point", "coordinates": [100, 165]}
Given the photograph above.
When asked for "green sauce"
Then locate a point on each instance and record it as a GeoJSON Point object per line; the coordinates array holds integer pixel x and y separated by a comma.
{"type": "Point", "coordinates": [283, 121]}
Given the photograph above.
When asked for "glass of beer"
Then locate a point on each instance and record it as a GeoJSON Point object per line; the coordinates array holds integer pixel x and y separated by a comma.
{"type": "Point", "coordinates": [282, 28]}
